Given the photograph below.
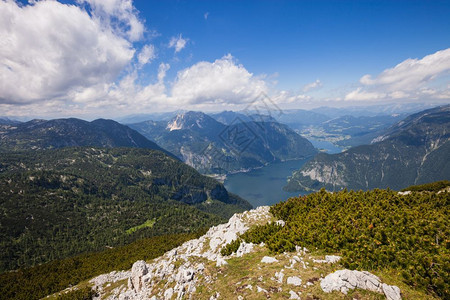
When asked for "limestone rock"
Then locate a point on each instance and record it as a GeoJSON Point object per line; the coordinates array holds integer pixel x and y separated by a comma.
{"type": "Point", "coordinates": [244, 248]}
{"type": "Point", "coordinates": [168, 294]}
{"type": "Point", "coordinates": [138, 270]}
{"type": "Point", "coordinates": [391, 292]}
{"type": "Point", "coordinates": [180, 268]}
{"type": "Point", "coordinates": [260, 290]}
{"type": "Point", "coordinates": [293, 295]}
{"type": "Point", "coordinates": [294, 280]}
{"type": "Point", "coordinates": [331, 259]}
{"type": "Point", "coordinates": [268, 260]}
{"type": "Point", "coordinates": [343, 280]}
{"type": "Point", "coordinates": [221, 262]}
{"type": "Point", "coordinates": [279, 276]}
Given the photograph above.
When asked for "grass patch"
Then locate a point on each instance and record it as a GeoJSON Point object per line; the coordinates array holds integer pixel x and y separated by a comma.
{"type": "Point", "coordinates": [147, 224]}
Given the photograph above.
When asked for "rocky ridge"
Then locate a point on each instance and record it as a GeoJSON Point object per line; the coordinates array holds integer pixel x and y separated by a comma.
{"type": "Point", "coordinates": [197, 270]}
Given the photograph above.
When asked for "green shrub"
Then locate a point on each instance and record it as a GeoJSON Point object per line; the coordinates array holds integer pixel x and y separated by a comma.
{"type": "Point", "coordinates": [85, 293]}
{"type": "Point", "coordinates": [373, 230]}
{"type": "Point", "coordinates": [429, 187]}
{"type": "Point", "coordinates": [231, 247]}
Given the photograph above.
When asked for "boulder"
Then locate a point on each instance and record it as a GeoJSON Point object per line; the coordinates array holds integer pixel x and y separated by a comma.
{"type": "Point", "coordinates": [138, 270]}
{"type": "Point", "coordinates": [293, 295]}
{"type": "Point", "coordinates": [391, 292]}
{"type": "Point", "coordinates": [343, 280]}
{"type": "Point", "coordinates": [268, 260]}
{"type": "Point", "coordinates": [294, 280]}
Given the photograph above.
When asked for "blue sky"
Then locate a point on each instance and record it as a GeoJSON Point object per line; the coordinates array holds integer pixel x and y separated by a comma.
{"type": "Point", "coordinates": [339, 41]}
{"type": "Point", "coordinates": [116, 57]}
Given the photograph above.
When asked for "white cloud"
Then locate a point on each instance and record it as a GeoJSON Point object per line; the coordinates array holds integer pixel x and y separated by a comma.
{"type": "Point", "coordinates": [178, 43]}
{"type": "Point", "coordinates": [48, 49]}
{"type": "Point", "coordinates": [221, 81]}
{"type": "Point", "coordinates": [360, 95]}
{"type": "Point", "coordinates": [410, 79]}
{"type": "Point", "coordinates": [116, 13]}
{"type": "Point", "coordinates": [313, 85]}
{"type": "Point", "coordinates": [163, 68]}
{"type": "Point", "coordinates": [412, 73]}
{"type": "Point", "coordinates": [147, 54]}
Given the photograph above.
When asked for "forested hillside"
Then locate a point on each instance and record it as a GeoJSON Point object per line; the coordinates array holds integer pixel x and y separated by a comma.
{"type": "Point", "coordinates": [57, 203]}
{"type": "Point", "coordinates": [59, 133]}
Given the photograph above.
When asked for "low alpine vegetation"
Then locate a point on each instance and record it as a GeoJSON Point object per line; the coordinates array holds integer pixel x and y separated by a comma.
{"type": "Point", "coordinates": [378, 229]}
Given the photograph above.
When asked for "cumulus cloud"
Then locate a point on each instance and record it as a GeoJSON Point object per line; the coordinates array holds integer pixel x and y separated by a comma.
{"type": "Point", "coordinates": [147, 54]}
{"type": "Point", "coordinates": [221, 81]}
{"type": "Point", "coordinates": [48, 49]}
{"type": "Point", "coordinates": [178, 43]}
{"type": "Point", "coordinates": [313, 85]}
{"type": "Point", "coordinates": [409, 79]}
{"type": "Point", "coordinates": [360, 94]}
{"type": "Point", "coordinates": [119, 14]}
{"type": "Point", "coordinates": [412, 73]}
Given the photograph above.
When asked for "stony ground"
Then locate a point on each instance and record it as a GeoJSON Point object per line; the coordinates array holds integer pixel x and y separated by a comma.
{"type": "Point", "coordinates": [197, 270]}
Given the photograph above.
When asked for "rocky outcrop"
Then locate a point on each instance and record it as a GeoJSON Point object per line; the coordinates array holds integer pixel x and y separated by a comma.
{"type": "Point", "coordinates": [138, 271]}
{"type": "Point", "coordinates": [197, 270]}
{"type": "Point", "coordinates": [177, 268]}
{"type": "Point", "coordinates": [344, 280]}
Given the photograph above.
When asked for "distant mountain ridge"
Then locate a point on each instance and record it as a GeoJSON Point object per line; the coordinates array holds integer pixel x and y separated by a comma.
{"type": "Point", "coordinates": [413, 151]}
{"type": "Point", "coordinates": [213, 147]}
{"type": "Point", "coordinates": [58, 133]}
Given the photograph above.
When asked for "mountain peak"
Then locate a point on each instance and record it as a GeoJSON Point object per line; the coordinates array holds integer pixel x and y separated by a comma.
{"type": "Point", "coordinates": [190, 120]}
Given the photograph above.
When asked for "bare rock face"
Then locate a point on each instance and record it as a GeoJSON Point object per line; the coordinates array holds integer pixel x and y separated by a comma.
{"type": "Point", "coordinates": [135, 281]}
{"type": "Point", "coordinates": [178, 268]}
{"type": "Point", "coordinates": [343, 280]}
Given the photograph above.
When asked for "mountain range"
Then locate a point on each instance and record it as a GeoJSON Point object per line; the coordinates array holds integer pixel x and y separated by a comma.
{"type": "Point", "coordinates": [244, 142]}
{"type": "Point", "coordinates": [413, 151]}
{"type": "Point", "coordinates": [58, 133]}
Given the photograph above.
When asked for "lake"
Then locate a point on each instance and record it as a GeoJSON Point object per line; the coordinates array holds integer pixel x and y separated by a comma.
{"type": "Point", "coordinates": [328, 146]}
{"type": "Point", "coordinates": [264, 186]}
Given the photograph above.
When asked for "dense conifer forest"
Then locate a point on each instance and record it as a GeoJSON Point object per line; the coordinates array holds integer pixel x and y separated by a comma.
{"type": "Point", "coordinates": [58, 203]}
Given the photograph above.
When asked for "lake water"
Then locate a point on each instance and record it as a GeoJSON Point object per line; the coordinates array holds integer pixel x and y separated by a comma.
{"type": "Point", "coordinates": [328, 146]}
{"type": "Point", "coordinates": [264, 186]}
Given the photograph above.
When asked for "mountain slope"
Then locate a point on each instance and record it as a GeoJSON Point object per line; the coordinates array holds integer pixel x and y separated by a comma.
{"type": "Point", "coordinates": [58, 133]}
{"type": "Point", "coordinates": [213, 147]}
{"type": "Point", "coordinates": [413, 151]}
{"type": "Point", "coordinates": [278, 252]}
{"type": "Point", "coordinates": [57, 203]}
